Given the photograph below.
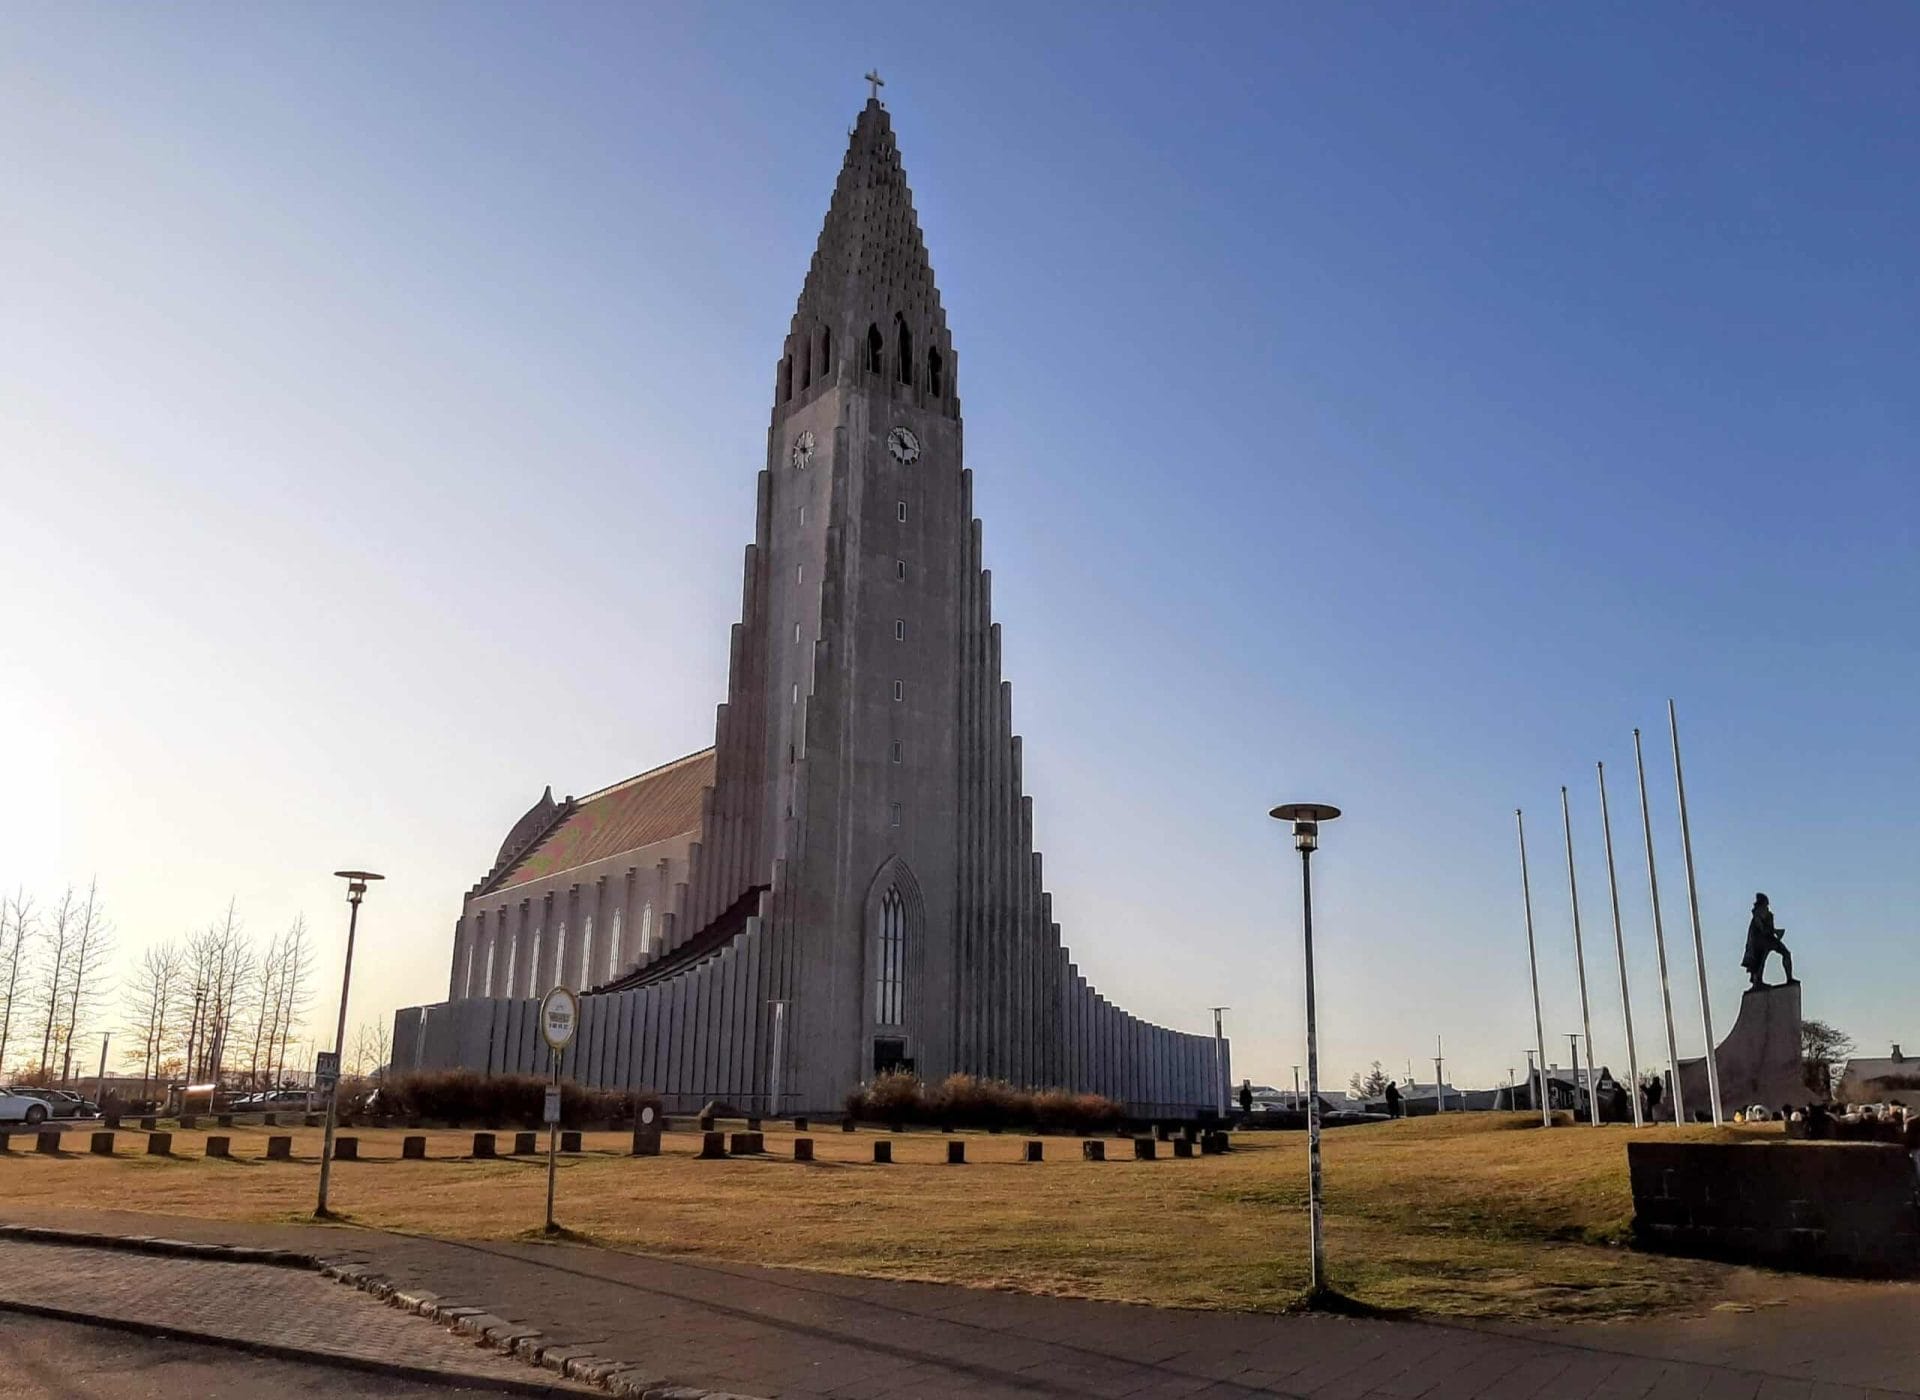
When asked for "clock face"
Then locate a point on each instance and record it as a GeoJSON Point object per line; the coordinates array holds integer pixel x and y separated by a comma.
{"type": "Point", "coordinates": [903, 445]}
{"type": "Point", "coordinates": [802, 451]}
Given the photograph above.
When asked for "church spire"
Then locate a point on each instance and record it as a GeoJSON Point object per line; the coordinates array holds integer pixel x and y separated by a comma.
{"type": "Point", "coordinates": [869, 309]}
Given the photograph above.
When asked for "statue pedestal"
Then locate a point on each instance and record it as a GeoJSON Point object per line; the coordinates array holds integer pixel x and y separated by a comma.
{"type": "Point", "coordinates": [1759, 1061]}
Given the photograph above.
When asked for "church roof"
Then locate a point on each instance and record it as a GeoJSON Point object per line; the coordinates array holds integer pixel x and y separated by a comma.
{"type": "Point", "coordinates": [649, 807]}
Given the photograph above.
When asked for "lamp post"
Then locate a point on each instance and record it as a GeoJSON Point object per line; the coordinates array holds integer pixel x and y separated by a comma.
{"type": "Point", "coordinates": [1533, 969]}
{"type": "Point", "coordinates": [1306, 818]}
{"type": "Point", "coordinates": [357, 882]}
{"type": "Point", "coordinates": [1296, 1088]}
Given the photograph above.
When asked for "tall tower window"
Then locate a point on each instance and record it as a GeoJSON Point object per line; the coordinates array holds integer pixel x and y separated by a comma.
{"type": "Point", "coordinates": [903, 339]}
{"type": "Point", "coordinates": [896, 750]}
{"type": "Point", "coordinates": [900, 569]}
{"type": "Point", "coordinates": [936, 372]}
{"type": "Point", "coordinates": [806, 363]}
{"type": "Point", "coordinates": [586, 953]}
{"type": "Point", "coordinates": [826, 351]}
{"type": "Point", "coordinates": [613, 952]}
{"type": "Point", "coordinates": [893, 815]}
{"type": "Point", "coordinates": [786, 379]}
{"type": "Point", "coordinates": [646, 929]}
{"type": "Point", "coordinates": [533, 961]}
{"type": "Point", "coordinates": [899, 690]}
{"type": "Point", "coordinates": [486, 980]}
{"type": "Point", "coordinates": [890, 981]}
{"type": "Point", "coordinates": [899, 629]}
{"type": "Point", "coordinates": [876, 348]}
{"type": "Point", "coordinates": [560, 952]}
{"type": "Point", "coordinates": [900, 512]}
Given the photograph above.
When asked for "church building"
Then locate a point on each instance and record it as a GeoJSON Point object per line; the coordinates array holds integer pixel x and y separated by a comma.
{"type": "Point", "coordinates": [845, 882]}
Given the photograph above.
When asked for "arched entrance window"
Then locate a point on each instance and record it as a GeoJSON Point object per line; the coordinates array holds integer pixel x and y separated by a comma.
{"type": "Point", "coordinates": [613, 953]}
{"type": "Point", "coordinates": [890, 976]}
{"type": "Point", "coordinates": [586, 954]}
{"type": "Point", "coordinates": [646, 930]}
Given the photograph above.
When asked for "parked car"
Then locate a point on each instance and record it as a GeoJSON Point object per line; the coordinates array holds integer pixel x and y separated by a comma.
{"type": "Point", "coordinates": [20, 1105]}
{"type": "Point", "coordinates": [67, 1104]}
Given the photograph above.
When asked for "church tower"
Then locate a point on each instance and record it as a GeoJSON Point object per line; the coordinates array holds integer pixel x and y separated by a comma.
{"type": "Point", "coordinates": [855, 887]}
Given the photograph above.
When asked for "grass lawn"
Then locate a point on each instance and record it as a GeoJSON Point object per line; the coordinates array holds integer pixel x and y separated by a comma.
{"type": "Point", "coordinates": [1470, 1215]}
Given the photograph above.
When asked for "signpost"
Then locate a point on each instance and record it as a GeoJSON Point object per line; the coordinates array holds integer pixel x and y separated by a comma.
{"type": "Point", "coordinates": [559, 1018]}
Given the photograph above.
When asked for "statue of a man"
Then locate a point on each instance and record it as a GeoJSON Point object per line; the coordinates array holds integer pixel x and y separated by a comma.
{"type": "Point", "coordinates": [1764, 939]}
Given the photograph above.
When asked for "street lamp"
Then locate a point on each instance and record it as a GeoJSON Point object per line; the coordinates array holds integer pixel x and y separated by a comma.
{"type": "Point", "coordinates": [357, 882]}
{"type": "Point", "coordinates": [1306, 818]}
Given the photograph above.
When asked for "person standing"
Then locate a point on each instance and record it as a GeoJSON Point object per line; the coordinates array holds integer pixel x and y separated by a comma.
{"type": "Point", "coordinates": [1393, 1099]}
{"type": "Point", "coordinates": [1246, 1096]}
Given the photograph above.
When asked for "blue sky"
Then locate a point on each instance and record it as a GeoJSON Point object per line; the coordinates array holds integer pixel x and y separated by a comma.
{"type": "Point", "coordinates": [1385, 405]}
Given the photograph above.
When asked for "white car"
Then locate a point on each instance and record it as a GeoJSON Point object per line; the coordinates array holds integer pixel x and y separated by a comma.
{"type": "Point", "coordinates": [27, 1108]}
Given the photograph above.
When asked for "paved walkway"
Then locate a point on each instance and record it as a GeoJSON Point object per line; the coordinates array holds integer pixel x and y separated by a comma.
{"type": "Point", "coordinates": [253, 1305]}
{"type": "Point", "coordinates": [781, 1333]}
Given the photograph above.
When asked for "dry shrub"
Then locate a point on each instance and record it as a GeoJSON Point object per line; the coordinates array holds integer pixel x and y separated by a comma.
{"type": "Point", "coordinates": [458, 1097]}
{"type": "Point", "coordinates": [966, 1101]}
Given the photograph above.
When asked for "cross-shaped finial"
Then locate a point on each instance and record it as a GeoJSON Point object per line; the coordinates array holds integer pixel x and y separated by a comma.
{"type": "Point", "coordinates": [873, 77]}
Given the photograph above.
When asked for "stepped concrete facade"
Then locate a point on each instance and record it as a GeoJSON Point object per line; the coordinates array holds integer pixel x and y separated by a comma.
{"type": "Point", "coordinates": [845, 883]}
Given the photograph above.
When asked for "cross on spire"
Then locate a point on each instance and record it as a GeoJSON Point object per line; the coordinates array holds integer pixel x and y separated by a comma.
{"type": "Point", "coordinates": [878, 82]}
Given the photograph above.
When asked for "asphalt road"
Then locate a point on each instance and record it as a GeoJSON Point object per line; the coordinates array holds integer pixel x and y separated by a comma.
{"type": "Point", "coordinates": [42, 1358]}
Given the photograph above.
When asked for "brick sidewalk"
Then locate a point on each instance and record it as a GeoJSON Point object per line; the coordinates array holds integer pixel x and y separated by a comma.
{"type": "Point", "coordinates": [782, 1332]}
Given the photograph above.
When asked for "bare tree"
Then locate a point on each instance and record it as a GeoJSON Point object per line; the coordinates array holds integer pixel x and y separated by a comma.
{"type": "Point", "coordinates": [62, 925]}
{"type": "Point", "coordinates": [17, 920]}
{"type": "Point", "coordinates": [295, 992]}
{"type": "Point", "coordinates": [263, 1005]}
{"type": "Point", "coordinates": [372, 1047]}
{"type": "Point", "coordinates": [152, 998]}
{"type": "Point", "coordinates": [87, 969]}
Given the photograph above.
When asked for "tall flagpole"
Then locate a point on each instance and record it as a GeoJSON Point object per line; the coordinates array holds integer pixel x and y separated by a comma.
{"type": "Point", "coordinates": [1533, 969]}
{"type": "Point", "coordinates": [1579, 961]}
{"type": "Point", "coordinates": [1659, 936]}
{"type": "Point", "coordinates": [1620, 952]}
{"type": "Point", "coordinates": [1693, 907]}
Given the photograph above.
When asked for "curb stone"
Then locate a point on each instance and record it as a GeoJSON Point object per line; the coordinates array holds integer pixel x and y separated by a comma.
{"type": "Point", "coordinates": [516, 1340]}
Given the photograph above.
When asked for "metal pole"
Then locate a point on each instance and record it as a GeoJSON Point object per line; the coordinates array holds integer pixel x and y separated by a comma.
{"type": "Point", "coordinates": [1579, 952]}
{"type": "Point", "coordinates": [100, 1079]}
{"type": "Point", "coordinates": [1318, 1281]}
{"type": "Point", "coordinates": [1573, 1041]}
{"type": "Point", "coordinates": [1439, 1094]}
{"type": "Point", "coordinates": [553, 1144]}
{"type": "Point", "coordinates": [1659, 939]}
{"type": "Point", "coordinates": [1220, 1061]}
{"type": "Point", "coordinates": [354, 892]}
{"type": "Point", "coordinates": [1533, 968]}
{"type": "Point", "coordinates": [1296, 1088]}
{"type": "Point", "coordinates": [1693, 907]}
{"type": "Point", "coordinates": [1620, 952]}
{"type": "Point", "coordinates": [776, 1064]}
{"type": "Point", "coordinates": [1510, 1100]}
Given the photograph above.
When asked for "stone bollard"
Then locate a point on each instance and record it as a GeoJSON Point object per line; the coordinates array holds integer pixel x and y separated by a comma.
{"type": "Point", "coordinates": [713, 1145]}
{"type": "Point", "coordinates": [706, 1122]}
{"type": "Point", "coordinates": [753, 1125]}
{"type": "Point", "coordinates": [159, 1144]}
{"type": "Point", "coordinates": [188, 1121]}
{"type": "Point", "coordinates": [484, 1145]}
{"type": "Point", "coordinates": [1036, 1151]}
{"type": "Point", "coordinates": [799, 1125]}
{"type": "Point", "coordinates": [1162, 1132]}
{"type": "Point", "coordinates": [147, 1125]}
{"type": "Point", "coordinates": [269, 1120]}
{"type": "Point", "coordinates": [279, 1149]}
{"type": "Point", "coordinates": [1094, 1150]}
{"type": "Point", "coordinates": [570, 1142]}
{"type": "Point", "coordinates": [413, 1149]}
{"type": "Point", "coordinates": [1211, 1143]}
{"type": "Point", "coordinates": [47, 1140]}
{"type": "Point", "coordinates": [223, 1120]}
{"type": "Point", "coordinates": [6, 1143]}
{"type": "Point", "coordinates": [883, 1151]}
{"type": "Point", "coordinates": [1145, 1149]}
{"type": "Point", "coordinates": [748, 1143]}
{"type": "Point", "coordinates": [957, 1153]}
{"type": "Point", "coordinates": [346, 1149]}
{"type": "Point", "coordinates": [113, 1120]}
{"type": "Point", "coordinates": [312, 1120]}
{"type": "Point", "coordinates": [1182, 1148]}
{"type": "Point", "coordinates": [847, 1125]}
{"type": "Point", "coordinates": [526, 1144]}
{"type": "Point", "coordinates": [646, 1140]}
{"type": "Point", "coordinates": [946, 1127]}
{"type": "Point", "coordinates": [219, 1147]}
{"type": "Point", "coordinates": [803, 1149]}
{"type": "Point", "coordinates": [101, 1145]}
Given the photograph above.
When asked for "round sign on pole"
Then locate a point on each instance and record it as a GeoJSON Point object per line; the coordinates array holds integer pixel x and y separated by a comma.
{"type": "Point", "coordinates": [559, 1017]}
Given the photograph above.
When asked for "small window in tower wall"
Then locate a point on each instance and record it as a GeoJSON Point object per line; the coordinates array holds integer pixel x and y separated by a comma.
{"type": "Point", "coordinates": [900, 511]}
{"type": "Point", "coordinates": [899, 690]}
{"type": "Point", "coordinates": [796, 692]}
{"type": "Point", "coordinates": [803, 515]}
{"type": "Point", "coordinates": [900, 569]}
{"type": "Point", "coordinates": [796, 632]}
{"type": "Point", "coordinates": [895, 815]}
{"type": "Point", "coordinates": [799, 573]}
{"type": "Point", "coordinates": [896, 750]}
{"type": "Point", "coordinates": [899, 629]}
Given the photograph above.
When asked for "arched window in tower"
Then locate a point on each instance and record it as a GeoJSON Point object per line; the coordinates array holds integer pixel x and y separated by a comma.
{"type": "Point", "coordinates": [936, 372]}
{"type": "Point", "coordinates": [646, 930]}
{"type": "Point", "coordinates": [533, 962]}
{"type": "Point", "coordinates": [586, 955]}
{"type": "Point", "coordinates": [890, 979]}
{"type": "Point", "coordinates": [486, 978]}
{"type": "Point", "coordinates": [613, 951]}
{"type": "Point", "coordinates": [826, 352]}
{"type": "Point", "coordinates": [875, 349]}
{"type": "Point", "coordinates": [786, 379]}
{"type": "Point", "coordinates": [560, 954]}
{"type": "Point", "coordinates": [806, 362]}
{"type": "Point", "coordinates": [904, 339]}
